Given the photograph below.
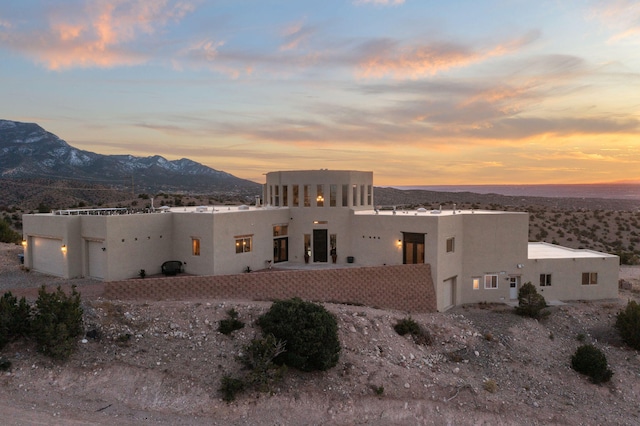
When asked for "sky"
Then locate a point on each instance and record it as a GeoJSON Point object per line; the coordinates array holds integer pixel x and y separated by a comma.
{"type": "Point", "coordinates": [419, 92]}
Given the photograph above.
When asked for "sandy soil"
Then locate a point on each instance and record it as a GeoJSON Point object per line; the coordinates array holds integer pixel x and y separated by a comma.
{"type": "Point", "coordinates": [161, 363]}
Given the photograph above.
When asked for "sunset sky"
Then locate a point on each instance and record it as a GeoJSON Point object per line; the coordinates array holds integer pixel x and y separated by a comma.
{"type": "Point", "coordinates": [420, 92]}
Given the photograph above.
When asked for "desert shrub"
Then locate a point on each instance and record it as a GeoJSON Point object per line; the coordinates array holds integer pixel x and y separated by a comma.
{"type": "Point", "coordinates": [231, 324]}
{"type": "Point", "coordinates": [8, 235]}
{"type": "Point", "coordinates": [230, 387]}
{"type": "Point", "coordinates": [15, 318]}
{"type": "Point", "coordinates": [57, 322]}
{"type": "Point", "coordinates": [628, 324]}
{"type": "Point", "coordinates": [530, 302]}
{"type": "Point", "coordinates": [419, 334]}
{"type": "Point", "coordinates": [592, 362]}
{"type": "Point", "coordinates": [258, 357]}
{"type": "Point", "coordinates": [5, 364]}
{"type": "Point", "coordinates": [309, 331]}
{"type": "Point", "coordinates": [490, 386]}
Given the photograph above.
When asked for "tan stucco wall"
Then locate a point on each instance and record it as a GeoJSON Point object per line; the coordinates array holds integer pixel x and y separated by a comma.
{"type": "Point", "coordinates": [566, 277]}
{"type": "Point", "coordinates": [493, 243]}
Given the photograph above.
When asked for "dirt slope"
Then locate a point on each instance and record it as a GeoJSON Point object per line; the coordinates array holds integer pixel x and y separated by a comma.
{"type": "Point", "coordinates": [161, 363]}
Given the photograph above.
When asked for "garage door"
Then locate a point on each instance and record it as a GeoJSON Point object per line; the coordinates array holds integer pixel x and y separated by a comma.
{"type": "Point", "coordinates": [449, 293]}
{"type": "Point", "coordinates": [46, 256]}
{"type": "Point", "coordinates": [97, 258]}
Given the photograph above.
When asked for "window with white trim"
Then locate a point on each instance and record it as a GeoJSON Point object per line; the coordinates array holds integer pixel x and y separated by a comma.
{"type": "Point", "coordinates": [490, 281]}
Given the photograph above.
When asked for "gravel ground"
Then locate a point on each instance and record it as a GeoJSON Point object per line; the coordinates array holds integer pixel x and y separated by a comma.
{"type": "Point", "coordinates": [23, 282]}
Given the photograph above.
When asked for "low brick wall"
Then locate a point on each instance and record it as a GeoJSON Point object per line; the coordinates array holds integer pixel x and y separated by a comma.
{"type": "Point", "coordinates": [401, 287]}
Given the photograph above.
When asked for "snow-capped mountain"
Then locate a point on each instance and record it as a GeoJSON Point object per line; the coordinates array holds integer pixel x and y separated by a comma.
{"type": "Point", "coordinates": [29, 151]}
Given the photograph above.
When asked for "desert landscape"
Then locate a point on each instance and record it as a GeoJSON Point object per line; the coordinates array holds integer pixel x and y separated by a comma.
{"type": "Point", "coordinates": [162, 362]}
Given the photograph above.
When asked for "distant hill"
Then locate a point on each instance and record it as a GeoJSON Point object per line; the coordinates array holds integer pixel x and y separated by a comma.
{"type": "Point", "coordinates": [28, 152]}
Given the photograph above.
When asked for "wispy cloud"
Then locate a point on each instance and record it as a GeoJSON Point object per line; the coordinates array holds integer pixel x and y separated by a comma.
{"type": "Point", "coordinates": [622, 17]}
{"type": "Point", "coordinates": [386, 57]}
{"type": "Point", "coordinates": [96, 34]}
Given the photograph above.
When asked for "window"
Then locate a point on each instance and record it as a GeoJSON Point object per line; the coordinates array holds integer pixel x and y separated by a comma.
{"type": "Point", "coordinates": [354, 188]}
{"type": "Point", "coordinates": [307, 201]}
{"type": "Point", "coordinates": [369, 195]}
{"type": "Point", "coordinates": [285, 195]}
{"type": "Point", "coordinates": [476, 283]}
{"type": "Point", "coordinates": [195, 246]}
{"type": "Point", "coordinates": [296, 196]}
{"type": "Point", "coordinates": [320, 196]}
{"type": "Point", "coordinates": [589, 278]}
{"type": "Point", "coordinates": [545, 280]}
{"type": "Point", "coordinates": [451, 244]}
{"type": "Point", "coordinates": [276, 197]}
{"type": "Point", "coordinates": [333, 195]}
{"type": "Point", "coordinates": [243, 244]}
{"type": "Point", "coordinates": [490, 281]}
{"type": "Point", "coordinates": [280, 230]}
{"type": "Point", "coordinates": [362, 195]}
{"type": "Point", "coordinates": [345, 195]}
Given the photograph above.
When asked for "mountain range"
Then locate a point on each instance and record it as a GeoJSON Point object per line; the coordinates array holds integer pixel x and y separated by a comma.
{"type": "Point", "coordinates": [27, 151]}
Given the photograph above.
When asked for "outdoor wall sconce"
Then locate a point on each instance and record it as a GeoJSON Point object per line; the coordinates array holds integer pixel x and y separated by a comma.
{"type": "Point", "coordinates": [63, 248]}
{"type": "Point", "coordinates": [24, 243]}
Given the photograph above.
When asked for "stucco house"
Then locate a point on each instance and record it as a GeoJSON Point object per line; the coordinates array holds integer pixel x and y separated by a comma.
{"type": "Point", "coordinates": [315, 216]}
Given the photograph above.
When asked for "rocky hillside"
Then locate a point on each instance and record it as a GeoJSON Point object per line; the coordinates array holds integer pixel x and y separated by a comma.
{"type": "Point", "coordinates": [163, 362]}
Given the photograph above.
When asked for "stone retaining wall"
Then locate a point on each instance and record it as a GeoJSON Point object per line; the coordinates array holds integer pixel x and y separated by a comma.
{"type": "Point", "coordinates": [401, 287]}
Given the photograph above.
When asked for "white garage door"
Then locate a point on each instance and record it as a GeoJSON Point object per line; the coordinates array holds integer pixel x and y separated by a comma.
{"type": "Point", "coordinates": [47, 257]}
{"type": "Point", "coordinates": [97, 259]}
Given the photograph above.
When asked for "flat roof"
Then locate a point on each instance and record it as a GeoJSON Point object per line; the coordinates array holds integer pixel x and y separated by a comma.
{"type": "Point", "coordinates": [425, 212]}
{"type": "Point", "coordinates": [540, 250]}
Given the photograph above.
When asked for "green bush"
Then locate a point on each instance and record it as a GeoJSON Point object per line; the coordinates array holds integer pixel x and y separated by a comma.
{"type": "Point", "coordinates": [592, 362]}
{"type": "Point", "coordinates": [309, 331]}
{"type": "Point", "coordinates": [530, 302]}
{"type": "Point", "coordinates": [57, 322]}
{"type": "Point", "coordinates": [8, 235]}
{"type": "Point", "coordinates": [230, 387]}
{"type": "Point", "coordinates": [231, 324]}
{"type": "Point", "coordinates": [15, 318]}
{"type": "Point", "coordinates": [408, 326]}
{"type": "Point", "coordinates": [628, 324]}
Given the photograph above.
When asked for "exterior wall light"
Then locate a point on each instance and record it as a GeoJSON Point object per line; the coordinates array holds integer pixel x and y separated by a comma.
{"type": "Point", "coordinates": [24, 243]}
{"type": "Point", "coordinates": [63, 248]}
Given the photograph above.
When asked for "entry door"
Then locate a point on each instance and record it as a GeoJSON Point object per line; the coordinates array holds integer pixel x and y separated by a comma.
{"type": "Point", "coordinates": [280, 250]}
{"type": "Point", "coordinates": [320, 245]}
{"type": "Point", "coordinates": [513, 287]}
{"type": "Point", "coordinates": [412, 248]}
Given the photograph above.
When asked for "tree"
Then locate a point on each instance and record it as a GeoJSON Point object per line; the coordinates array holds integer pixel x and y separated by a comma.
{"type": "Point", "coordinates": [530, 302]}
{"type": "Point", "coordinates": [628, 324]}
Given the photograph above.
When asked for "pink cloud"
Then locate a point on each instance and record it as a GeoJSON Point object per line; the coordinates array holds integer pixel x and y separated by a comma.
{"type": "Point", "coordinates": [99, 34]}
{"type": "Point", "coordinates": [387, 59]}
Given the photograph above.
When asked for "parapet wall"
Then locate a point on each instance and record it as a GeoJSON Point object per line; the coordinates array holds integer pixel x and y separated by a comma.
{"type": "Point", "coordinates": [400, 287]}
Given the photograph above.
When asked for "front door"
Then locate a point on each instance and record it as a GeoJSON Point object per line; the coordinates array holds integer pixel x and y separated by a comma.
{"type": "Point", "coordinates": [320, 241]}
{"type": "Point", "coordinates": [513, 287]}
